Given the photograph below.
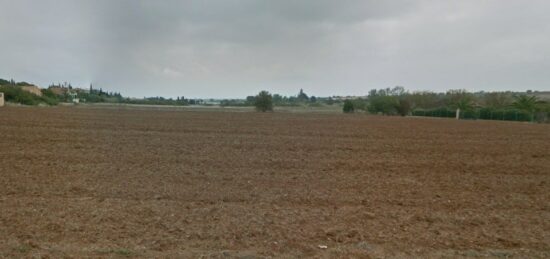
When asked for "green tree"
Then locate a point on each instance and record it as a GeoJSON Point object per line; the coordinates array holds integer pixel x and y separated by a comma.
{"type": "Point", "coordinates": [526, 103]}
{"type": "Point", "coordinates": [385, 104]}
{"type": "Point", "coordinates": [348, 106]}
{"type": "Point", "coordinates": [403, 107]}
{"type": "Point", "coordinates": [302, 96]}
{"type": "Point", "coordinates": [497, 100]}
{"type": "Point", "coordinates": [4, 82]}
{"type": "Point", "coordinates": [263, 101]}
{"type": "Point", "coordinates": [278, 99]}
{"type": "Point", "coordinates": [424, 100]}
{"type": "Point", "coordinates": [460, 99]}
{"type": "Point", "coordinates": [464, 104]}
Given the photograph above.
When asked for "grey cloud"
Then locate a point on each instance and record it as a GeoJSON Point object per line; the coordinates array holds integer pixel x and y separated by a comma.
{"type": "Point", "coordinates": [234, 48]}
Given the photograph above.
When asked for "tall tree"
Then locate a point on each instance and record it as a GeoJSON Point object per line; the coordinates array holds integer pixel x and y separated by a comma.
{"type": "Point", "coordinates": [263, 101]}
{"type": "Point", "coordinates": [302, 96]}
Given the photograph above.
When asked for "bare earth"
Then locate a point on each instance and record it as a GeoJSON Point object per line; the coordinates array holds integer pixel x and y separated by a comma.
{"type": "Point", "coordinates": [139, 182]}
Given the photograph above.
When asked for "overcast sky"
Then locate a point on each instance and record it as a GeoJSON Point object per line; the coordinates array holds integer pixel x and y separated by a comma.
{"type": "Point", "coordinates": [236, 48]}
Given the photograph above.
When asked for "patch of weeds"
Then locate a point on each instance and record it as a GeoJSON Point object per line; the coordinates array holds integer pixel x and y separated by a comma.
{"type": "Point", "coordinates": [501, 254]}
{"type": "Point", "coordinates": [469, 253]}
{"type": "Point", "coordinates": [23, 248]}
{"type": "Point", "coordinates": [123, 252]}
{"type": "Point", "coordinates": [120, 251]}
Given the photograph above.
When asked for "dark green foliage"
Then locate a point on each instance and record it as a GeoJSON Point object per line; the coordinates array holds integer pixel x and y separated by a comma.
{"type": "Point", "coordinates": [403, 107]}
{"type": "Point", "coordinates": [425, 100]}
{"type": "Point", "coordinates": [263, 101]}
{"type": "Point", "coordinates": [22, 84]}
{"type": "Point", "coordinates": [483, 114]}
{"type": "Point", "coordinates": [389, 101]}
{"type": "Point", "coordinates": [92, 97]}
{"type": "Point", "coordinates": [543, 114]}
{"type": "Point", "coordinates": [440, 112]}
{"type": "Point", "coordinates": [460, 99]}
{"type": "Point", "coordinates": [4, 82]}
{"type": "Point", "coordinates": [384, 104]}
{"type": "Point", "coordinates": [147, 100]}
{"type": "Point", "coordinates": [48, 93]}
{"type": "Point", "coordinates": [235, 103]}
{"type": "Point", "coordinates": [359, 104]}
{"type": "Point", "coordinates": [15, 94]}
{"type": "Point", "coordinates": [504, 114]}
{"type": "Point", "coordinates": [251, 99]}
{"type": "Point", "coordinates": [486, 106]}
{"type": "Point", "coordinates": [348, 106]}
{"type": "Point", "coordinates": [497, 100]}
{"type": "Point", "coordinates": [277, 98]}
{"type": "Point", "coordinates": [302, 97]}
{"type": "Point", "coordinates": [526, 103]}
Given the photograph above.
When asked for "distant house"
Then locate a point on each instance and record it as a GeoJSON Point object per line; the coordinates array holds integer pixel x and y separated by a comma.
{"type": "Point", "coordinates": [1, 99]}
{"type": "Point", "coordinates": [73, 96]}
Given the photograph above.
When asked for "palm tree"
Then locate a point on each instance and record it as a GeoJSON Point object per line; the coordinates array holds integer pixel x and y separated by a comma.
{"type": "Point", "coordinates": [464, 104]}
{"type": "Point", "coordinates": [526, 103]}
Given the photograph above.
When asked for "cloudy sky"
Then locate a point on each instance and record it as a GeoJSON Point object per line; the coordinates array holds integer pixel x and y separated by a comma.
{"type": "Point", "coordinates": [234, 48]}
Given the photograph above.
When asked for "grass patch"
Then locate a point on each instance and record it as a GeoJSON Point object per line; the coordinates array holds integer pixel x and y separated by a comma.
{"type": "Point", "coordinates": [119, 251]}
{"type": "Point", "coordinates": [23, 249]}
{"type": "Point", "coordinates": [123, 252]}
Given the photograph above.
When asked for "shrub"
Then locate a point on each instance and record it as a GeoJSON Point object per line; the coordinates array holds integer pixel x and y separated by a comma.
{"type": "Point", "coordinates": [348, 106]}
{"type": "Point", "coordinates": [263, 101]}
{"type": "Point", "coordinates": [385, 104]}
{"type": "Point", "coordinates": [403, 107]}
{"type": "Point", "coordinates": [15, 94]}
{"type": "Point", "coordinates": [504, 114]}
{"type": "Point", "coordinates": [359, 104]}
{"type": "Point", "coordinates": [439, 112]}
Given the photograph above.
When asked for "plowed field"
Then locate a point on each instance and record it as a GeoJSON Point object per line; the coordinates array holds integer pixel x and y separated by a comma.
{"type": "Point", "coordinates": [137, 182]}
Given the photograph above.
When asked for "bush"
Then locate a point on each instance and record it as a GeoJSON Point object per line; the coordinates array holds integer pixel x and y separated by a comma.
{"type": "Point", "coordinates": [263, 101]}
{"type": "Point", "coordinates": [359, 104]}
{"type": "Point", "coordinates": [4, 82]}
{"type": "Point", "coordinates": [348, 106]}
{"type": "Point", "coordinates": [17, 95]}
{"type": "Point", "coordinates": [504, 114]}
{"type": "Point", "coordinates": [483, 113]}
{"type": "Point", "coordinates": [439, 112]}
{"type": "Point", "coordinates": [403, 107]}
{"type": "Point", "coordinates": [384, 104]}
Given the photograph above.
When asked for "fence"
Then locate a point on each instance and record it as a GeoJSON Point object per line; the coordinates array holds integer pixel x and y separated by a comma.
{"type": "Point", "coordinates": [482, 113]}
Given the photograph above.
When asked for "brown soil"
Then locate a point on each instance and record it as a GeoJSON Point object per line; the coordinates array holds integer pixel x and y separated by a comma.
{"type": "Point", "coordinates": [110, 182]}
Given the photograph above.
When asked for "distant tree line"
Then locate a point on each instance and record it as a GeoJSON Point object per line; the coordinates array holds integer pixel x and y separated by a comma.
{"type": "Point", "coordinates": [387, 101]}
{"type": "Point", "coordinates": [398, 101]}
{"type": "Point", "coordinates": [478, 105]}
{"type": "Point", "coordinates": [65, 92]}
{"type": "Point", "coordinates": [13, 92]}
{"type": "Point", "coordinates": [301, 99]}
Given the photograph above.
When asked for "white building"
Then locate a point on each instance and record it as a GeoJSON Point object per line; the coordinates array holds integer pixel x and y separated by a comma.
{"type": "Point", "coordinates": [1, 99]}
